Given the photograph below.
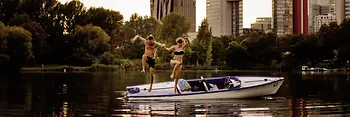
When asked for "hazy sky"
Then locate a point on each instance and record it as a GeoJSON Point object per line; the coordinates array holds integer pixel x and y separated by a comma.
{"type": "Point", "coordinates": [251, 8]}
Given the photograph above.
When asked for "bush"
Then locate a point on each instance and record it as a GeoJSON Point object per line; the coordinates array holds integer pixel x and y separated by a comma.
{"type": "Point", "coordinates": [106, 58]}
{"type": "Point", "coordinates": [117, 61]}
{"type": "Point", "coordinates": [81, 57]}
{"type": "Point", "coordinates": [126, 64]}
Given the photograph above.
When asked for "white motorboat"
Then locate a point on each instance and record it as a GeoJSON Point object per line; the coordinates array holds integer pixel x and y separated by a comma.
{"type": "Point", "coordinates": [208, 88]}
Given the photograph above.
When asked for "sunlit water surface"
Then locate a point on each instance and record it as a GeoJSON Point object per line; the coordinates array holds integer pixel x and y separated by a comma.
{"type": "Point", "coordinates": [56, 94]}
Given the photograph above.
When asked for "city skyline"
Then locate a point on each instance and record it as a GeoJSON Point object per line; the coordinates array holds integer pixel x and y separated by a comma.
{"type": "Point", "coordinates": [251, 10]}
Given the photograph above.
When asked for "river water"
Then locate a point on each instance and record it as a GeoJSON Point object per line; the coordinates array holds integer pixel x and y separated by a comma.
{"type": "Point", "coordinates": [77, 94]}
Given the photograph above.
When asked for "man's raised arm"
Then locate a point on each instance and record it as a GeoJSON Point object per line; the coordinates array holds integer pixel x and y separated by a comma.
{"type": "Point", "coordinates": [138, 37]}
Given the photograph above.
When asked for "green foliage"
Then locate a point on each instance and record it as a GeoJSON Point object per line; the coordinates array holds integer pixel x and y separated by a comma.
{"type": "Point", "coordinates": [81, 57]}
{"type": "Point", "coordinates": [142, 26]}
{"type": "Point", "coordinates": [219, 50]}
{"type": "Point", "coordinates": [209, 58]}
{"type": "Point", "coordinates": [108, 20]}
{"type": "Point", "coordinates": [40, 46]}
{"type": "Point", "coordinates": [173, 26]}
{"type": "Point", "coordinates": [92, 38]}
{"type": "Point", "coordinates": [126, 64]}
{"type": "Point", "coordinates": [204, 44]}
{"type": "Point", "coordinates": [8, 8]}
{"type": "Point", "coordinates": [328, 34]}
{"type": "Point", "coordinates": [198, 55]}
{"type": "Point", "coordinates": [18, 42]}
{"type": "Point", "coordinates": [106, 58]}
{"type": "Point", "coordinates": [18, 46]}
{"type": "Point", "coordinates": [71, 11]}
{"type": "Point", "coordinates": [19, 19]}
{"type": "Point", "coordinates": [237, 56]}
{"type": "Point", "coordinates": [59, 33]}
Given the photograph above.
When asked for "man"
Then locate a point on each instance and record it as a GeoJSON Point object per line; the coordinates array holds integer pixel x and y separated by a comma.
{"type": "Point", "coordinates": [150, 55]}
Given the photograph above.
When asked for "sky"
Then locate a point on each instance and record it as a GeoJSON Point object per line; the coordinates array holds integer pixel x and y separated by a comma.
{"type": "Point", "coordinates": [251, 8]}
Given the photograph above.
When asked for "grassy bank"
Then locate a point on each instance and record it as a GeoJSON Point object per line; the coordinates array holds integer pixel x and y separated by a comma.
{"type": "Point", "coordinates": [102, 67]}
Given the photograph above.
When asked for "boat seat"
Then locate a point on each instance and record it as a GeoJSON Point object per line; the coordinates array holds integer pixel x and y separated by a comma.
{"type": "Point", "coordinates": [183, 85]}
{"type": "Point", "coordinates": [133, 90]}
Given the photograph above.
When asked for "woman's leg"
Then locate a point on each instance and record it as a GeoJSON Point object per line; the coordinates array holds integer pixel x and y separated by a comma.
{"type": "Point", "coordinates": [176, 65]}
{"type": "Point", "coordinates": [177, 76]}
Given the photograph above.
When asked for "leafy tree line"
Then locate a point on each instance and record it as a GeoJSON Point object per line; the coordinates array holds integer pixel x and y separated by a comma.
{"type": "Point", "coordinates": [329, 47]}
{"type": "Point", "coordinates": [35, 32]}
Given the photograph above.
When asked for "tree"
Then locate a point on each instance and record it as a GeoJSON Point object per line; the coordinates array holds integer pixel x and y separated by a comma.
{"type": "Point", "coordinates": [81, 57]}
{"type": "Point", "coordinates": [173, 26]}
{"type": "Point", "coordinates": [40, 46]}
{"type": "Point", "coordinates": [218, 51]}
{"type": "Point", "coordinates": [108, 20]}
{"type": "Point", "coordinates": [7, 9]}
{"type": "Point", "coordinates": [237, 57]}
{"type": "Point", "coordinates": [344, 34]}
{"type": "Point", "coordinates": [91, 38]}
{"type": "Point", "coordinates": [19, 19]}
{"type": "Point", "coordinates": [19, 46]}
{"type": "Point", "coordinates": [38, 9]}
{"type": "Point", "coordinates": [68, 14]}
{"type": "Point", "coordinates": [204, 38]}
{"type": "Point", "coordinates": [309, 50]}
{"type": "Point", "coordinates": [329, 35]}
{"type": "Point", "coordinates": [143, 26]}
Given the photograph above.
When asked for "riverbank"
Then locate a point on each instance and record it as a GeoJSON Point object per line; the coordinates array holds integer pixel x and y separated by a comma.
{"type": "Point", "coordinates": [102, 67]}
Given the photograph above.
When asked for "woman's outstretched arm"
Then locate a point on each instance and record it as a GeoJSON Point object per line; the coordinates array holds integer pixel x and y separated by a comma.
{"type": "Point", "coordinates": [170, 48]}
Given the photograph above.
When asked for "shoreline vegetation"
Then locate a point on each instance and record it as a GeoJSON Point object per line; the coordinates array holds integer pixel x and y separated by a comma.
{"type": "Point", "coordinates": [54, 36]}
{"type": "Point", "coordinates": [109, 68]}
{"type": "Point", "coordinates": [161, 67]}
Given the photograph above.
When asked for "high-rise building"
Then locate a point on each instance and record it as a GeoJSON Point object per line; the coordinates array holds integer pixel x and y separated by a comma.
{"type": "Point", "coordinates": [347, 9]}
{"type": "Point", "coordinates": [225, 17]}
{"type": "Point", "coordinates": [161, 8]}
{"type": "Point", "coordinates": [263, 23]}
{"type": "Point", "coordinates": [342, 10]}
{"type": "Point", "coordinates": [314, 10]}
{"type": "Point", "coordinates": [282, 16]}
{"type": "Point", "coordinates": [319, 7]}
{"type": "Point", "coordinates": [323, 19]}
{"type": "Point", "coordinates": [290, 16]}
{"type": "Point", "coordinates": [328, 5]}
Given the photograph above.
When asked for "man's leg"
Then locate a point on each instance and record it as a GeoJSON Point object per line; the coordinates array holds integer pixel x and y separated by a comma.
{"type": "Point", "coordinates": [151, 76]}
{"type": "Point", "coordinates": [144, 59]}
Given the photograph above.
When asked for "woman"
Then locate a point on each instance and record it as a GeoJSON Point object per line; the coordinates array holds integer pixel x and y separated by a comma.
{"type": "Point", "coordinates": [176, 61]}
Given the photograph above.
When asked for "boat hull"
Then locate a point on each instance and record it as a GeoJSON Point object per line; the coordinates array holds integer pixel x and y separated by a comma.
{"type": "Point", "coordinates": [268, 88]}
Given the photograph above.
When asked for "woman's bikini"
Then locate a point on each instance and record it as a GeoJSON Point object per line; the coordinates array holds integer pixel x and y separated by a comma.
{"type": "Point", "coordinates": [181, 52]}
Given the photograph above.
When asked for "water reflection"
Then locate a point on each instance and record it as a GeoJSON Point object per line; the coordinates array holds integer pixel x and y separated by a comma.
{"type": "Point", "coordinates": [100, 94]}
